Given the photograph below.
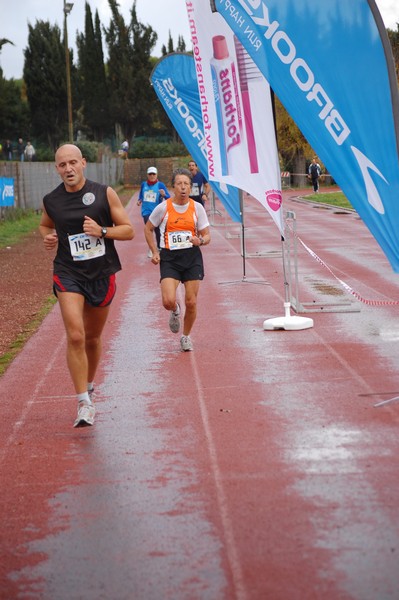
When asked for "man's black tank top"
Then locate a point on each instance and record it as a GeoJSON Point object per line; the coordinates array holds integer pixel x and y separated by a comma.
{"type": "Point", "coordinates": [67, 210]}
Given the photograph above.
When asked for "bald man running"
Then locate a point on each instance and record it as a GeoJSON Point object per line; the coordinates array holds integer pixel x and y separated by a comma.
{"type": "Point", "coordinates": [81, 220]}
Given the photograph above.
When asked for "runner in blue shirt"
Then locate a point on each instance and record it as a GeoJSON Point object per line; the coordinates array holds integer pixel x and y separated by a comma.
{"type": "Point", "coordinates": [152, 192]}
{"type": "Point", "coordinates": [200, 187]}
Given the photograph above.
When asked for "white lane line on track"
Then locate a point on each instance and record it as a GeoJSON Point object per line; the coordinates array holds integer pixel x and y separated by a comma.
{"type": "Point", "coordinates": [32, 398]}
{"type": "Point", "coordinates": [231, 546]}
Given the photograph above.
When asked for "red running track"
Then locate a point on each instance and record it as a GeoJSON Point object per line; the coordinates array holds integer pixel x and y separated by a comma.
{"type": "Point", "coordinates": [256, 467]}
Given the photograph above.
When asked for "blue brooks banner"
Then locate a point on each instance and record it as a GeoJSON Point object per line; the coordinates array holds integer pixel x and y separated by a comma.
{"type": "Point", "coordinates": [6, 191]}
{"type": "Point", "coordinates": [175, 83]}
{"type": "Point", "coordinates": [331, 65]}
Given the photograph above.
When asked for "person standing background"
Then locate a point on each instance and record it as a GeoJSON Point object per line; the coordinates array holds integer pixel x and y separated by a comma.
{"type": "Point", "coordinates": [81, 220]}
{"type": "Point", "coordinates": [200, 187]}
{"type": "Point", "coordinates": [314, 174]}
{"type": "Point", "coordinates": [125, 149]}
{"type": "Point", "coordinates": [29, 152]}
{"type": "Point", "coordinates": [184, 228]}
{"type": "Point", "coordinates": [152, 192]}
{"type": "Point", "coordinates": [21, 150]}
{"type": "Point", "coordinates": [8, 150]}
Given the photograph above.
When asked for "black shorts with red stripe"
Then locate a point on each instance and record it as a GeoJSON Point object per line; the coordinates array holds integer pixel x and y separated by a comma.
{"type": "Point", "coordinates": [96, 293]}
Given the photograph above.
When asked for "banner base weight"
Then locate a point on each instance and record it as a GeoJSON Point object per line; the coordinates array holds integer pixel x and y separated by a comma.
{"type": "Point", "coordinates": [288, 322]}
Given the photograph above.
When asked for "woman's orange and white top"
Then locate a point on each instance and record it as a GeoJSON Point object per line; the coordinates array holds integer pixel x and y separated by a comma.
{"type": "Point", "coordinates": [177, 223]}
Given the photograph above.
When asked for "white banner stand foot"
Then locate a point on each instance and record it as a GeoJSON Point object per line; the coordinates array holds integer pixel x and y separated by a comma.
{"type": "Point", "coordinates": [288, 322]}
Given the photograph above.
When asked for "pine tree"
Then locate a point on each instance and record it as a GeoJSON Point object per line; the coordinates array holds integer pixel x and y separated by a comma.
{"type": "Point", "coordinates": [170, 44]}
{"type": "Point", "coordinates": [14, 113]}
{"type": "Point", "coordinates": [394, 40]}
{"type": "Point", "coordinates": [181, 44]}
{"type": "Point", "coordinates": [45, 78]}
{"type": "Point", "coordinates": [129, 68]}
{"type": "Point", "coordinates": [94, 107]}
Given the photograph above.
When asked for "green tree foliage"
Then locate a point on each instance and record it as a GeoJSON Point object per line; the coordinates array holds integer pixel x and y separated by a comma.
{"type": "Point", "coordinates": [143, 147]}
{"type": "Point", "coordinates": [91, 70]}
{"type": "Point", "coordinates": [170, 43]}
{"type": "Point", "coordinates": [181, 44]}
{"type": "Point", "coordinates": [129, 68]}
{"type": "Point", "coordinates": [292, 144]}
{"type": "Point", "coordinates": [394, 39]}
{"type": "Point", "coordinates": [14, 111]}
{"type": "Point", "coordinates": [44, 75]}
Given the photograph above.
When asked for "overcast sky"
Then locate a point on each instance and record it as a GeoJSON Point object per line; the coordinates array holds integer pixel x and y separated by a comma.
{"type": "Point", "coordinates": [162, 15]}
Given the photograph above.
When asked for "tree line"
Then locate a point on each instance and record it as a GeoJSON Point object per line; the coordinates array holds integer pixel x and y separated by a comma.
{"type": "Point", "coordinates": [111, 98]}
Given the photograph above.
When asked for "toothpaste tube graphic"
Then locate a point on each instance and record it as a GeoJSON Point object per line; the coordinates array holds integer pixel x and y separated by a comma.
{"type": "Point", "coordinates": [227, 102]}
{"type": "Point", "coordinates": [249, 74]}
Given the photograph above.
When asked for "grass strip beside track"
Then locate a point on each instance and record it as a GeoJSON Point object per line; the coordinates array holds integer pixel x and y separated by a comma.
{"type": "Point", "coordinates": [335, 198]}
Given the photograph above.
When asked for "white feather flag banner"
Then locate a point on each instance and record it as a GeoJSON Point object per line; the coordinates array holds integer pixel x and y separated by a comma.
{"type": "Point", "coordinates": [236, 109]}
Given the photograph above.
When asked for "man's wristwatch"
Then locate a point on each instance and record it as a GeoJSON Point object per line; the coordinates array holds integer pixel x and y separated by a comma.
{"type": "Point", "coordinates": [103, 232]}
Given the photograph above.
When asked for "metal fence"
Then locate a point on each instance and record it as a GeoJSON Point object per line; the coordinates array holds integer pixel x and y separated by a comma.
{"type": "Point", "coordinates": [33, 180]}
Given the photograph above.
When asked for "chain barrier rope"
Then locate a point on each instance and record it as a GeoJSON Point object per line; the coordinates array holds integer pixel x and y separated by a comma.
{"type": "Point", "coordinates": [342, 283]}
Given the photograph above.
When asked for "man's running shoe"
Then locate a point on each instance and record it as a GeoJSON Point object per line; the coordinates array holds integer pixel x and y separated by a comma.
{"type": "Point", "coordinates": [174, 319]}
{"type": "Point", "coordinates": [85, 417]}
{"type": "Point", "coordinates": [186, 343]}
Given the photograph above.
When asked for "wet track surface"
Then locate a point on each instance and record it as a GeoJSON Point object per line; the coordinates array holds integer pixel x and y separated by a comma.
{"type": "Point", "coordinates": [255, 467]}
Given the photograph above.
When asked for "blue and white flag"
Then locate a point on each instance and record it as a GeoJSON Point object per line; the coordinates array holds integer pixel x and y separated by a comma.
{"type": "Point", "coordinates": [175, 83]}
{"type": "Point", "coordinates": [331, 65]}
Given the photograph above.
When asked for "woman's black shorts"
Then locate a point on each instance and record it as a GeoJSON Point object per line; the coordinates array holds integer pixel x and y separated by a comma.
{"type": "Point", "coordinates": [183, 265]}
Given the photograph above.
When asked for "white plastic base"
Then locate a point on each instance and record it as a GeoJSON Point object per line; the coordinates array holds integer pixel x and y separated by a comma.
{"type": "Point", "coordinates": [288, 322]}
